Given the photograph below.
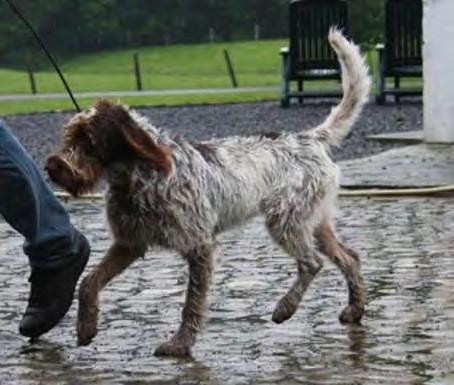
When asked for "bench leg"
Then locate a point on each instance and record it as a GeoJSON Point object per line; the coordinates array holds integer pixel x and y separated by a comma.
{"type": "Point", "coordinates": [300, 89]}
{"type": "Point", "coordinates": [380, 97]}
{"type": "Point", "coordinates": [397, 87]}
{"type": "Point", "coordinates": [285, 98]}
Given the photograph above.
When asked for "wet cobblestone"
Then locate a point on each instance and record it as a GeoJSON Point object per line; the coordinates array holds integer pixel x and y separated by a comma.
{"type": "Point", "coordinates": [407, 336]}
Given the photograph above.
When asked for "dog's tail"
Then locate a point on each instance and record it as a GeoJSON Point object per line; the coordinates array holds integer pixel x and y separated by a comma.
{"type": "Point", "coordinates": [355, 85]}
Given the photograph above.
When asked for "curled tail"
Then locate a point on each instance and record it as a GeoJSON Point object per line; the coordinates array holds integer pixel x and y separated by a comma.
{"type": "Point", "coordinates": [356, 87]}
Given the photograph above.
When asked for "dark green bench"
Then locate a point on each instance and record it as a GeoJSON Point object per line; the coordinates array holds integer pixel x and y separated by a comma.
{"type": "Point", "coordinates": [309, 55]}
{"type": "Point", "coordinates": [401, 56]}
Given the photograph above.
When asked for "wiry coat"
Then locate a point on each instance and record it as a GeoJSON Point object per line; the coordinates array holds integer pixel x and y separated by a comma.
{"type": "Point", "coordinates": [171, 192]}
{"type": "Point", "coordinates": [216, 185]}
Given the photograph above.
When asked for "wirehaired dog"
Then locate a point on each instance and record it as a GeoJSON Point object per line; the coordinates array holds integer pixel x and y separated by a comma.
{"type": "Point", "coordinates": [178, 194]}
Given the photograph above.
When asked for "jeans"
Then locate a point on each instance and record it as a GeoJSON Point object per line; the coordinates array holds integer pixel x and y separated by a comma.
{"type": "Point", "coordinates": [29, 206]}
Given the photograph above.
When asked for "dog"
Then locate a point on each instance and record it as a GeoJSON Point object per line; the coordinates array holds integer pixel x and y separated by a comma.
{"type": "Point", "coordinates": [178, 194]}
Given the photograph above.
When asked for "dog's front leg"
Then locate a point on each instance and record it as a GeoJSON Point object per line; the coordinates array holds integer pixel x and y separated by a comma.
{"type": "Point", "coordinates": [200, 270]}
{"type": "Point", "coordinates": [118, 258]}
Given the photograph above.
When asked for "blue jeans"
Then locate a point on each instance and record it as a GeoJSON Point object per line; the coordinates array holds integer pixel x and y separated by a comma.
{"type": "Point", "coordinates": [29, 206]}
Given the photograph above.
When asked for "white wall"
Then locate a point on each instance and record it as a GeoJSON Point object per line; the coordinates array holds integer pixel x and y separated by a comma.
{"type": "Point", "coordinates": [439, 70]}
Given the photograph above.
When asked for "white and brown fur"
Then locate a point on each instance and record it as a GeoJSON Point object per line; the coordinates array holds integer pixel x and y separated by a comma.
{"type": "Point", "coordinates": [178, 194]}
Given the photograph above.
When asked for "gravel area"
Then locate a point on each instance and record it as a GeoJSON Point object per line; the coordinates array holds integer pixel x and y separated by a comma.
{"type": "Point", "coordinates": [39, 133]}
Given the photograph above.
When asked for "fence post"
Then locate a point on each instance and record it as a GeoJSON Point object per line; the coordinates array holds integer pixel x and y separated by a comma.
{"type": "Point", "coordinates": [211, 35]}
{"type": "Point", "coordinates": [31, 77]}
{"type": "Point", "coordinates": [137, 72]}
{"type": "Point", "coordinates": [256, 31]}
{"type": "Point", "coordinates": [230, 68]}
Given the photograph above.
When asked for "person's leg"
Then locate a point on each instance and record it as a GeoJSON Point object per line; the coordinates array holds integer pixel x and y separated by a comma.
{"type": "Point", "coordinates": [57, 252]}
{"type": "Point", "coordinates": [29, 206]}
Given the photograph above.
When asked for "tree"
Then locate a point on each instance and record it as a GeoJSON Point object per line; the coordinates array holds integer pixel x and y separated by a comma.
{"type": "Point", "coordinates": [76, 26]}
{"type": "Point", "coordinates": [367, 20]}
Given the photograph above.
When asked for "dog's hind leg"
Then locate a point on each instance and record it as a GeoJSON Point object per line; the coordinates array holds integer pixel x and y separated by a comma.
{"type": "Point", "coordinates": [348, 261]}
{"type": "Point", "coordinates": [200, 271]}
{"type": "Point", "coordinates": [308, 265]}
{"type": "Point", "coordinates": [118, 258]}
{"type": "Point", "coordinates": [295, 237]}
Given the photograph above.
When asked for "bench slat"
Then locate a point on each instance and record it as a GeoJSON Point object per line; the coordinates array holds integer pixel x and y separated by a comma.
{"type": "Point", "coordinates": [402, 55]}
{"type": "Point", "coordinates": [310, 56]}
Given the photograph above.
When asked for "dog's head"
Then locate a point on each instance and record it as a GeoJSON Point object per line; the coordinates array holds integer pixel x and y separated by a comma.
{"type": "Point", "coordinates": [96, 138]}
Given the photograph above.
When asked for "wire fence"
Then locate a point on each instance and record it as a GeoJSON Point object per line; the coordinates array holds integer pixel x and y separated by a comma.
{"type": "Point", "coordinates": [240, 64]}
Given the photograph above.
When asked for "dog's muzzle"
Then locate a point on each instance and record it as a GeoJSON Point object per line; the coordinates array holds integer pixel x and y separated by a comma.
{"type": "Point", "coordinates": [61, 173]}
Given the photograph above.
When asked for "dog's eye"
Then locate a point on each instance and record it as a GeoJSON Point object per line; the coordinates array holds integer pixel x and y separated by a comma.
{"type": "Point", "coordinates": [86, 143]}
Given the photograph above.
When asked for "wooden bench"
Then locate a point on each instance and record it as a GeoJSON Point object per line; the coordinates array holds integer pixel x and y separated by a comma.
{"type": "Point", "coordinates": [309, 56]}
{"type": "Point", "coordinates": [401, 56]}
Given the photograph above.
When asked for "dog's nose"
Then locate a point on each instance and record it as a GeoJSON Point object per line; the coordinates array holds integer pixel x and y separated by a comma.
{"type": "Point", "coordinates": [61, 173]}
{"type": "Point", "coordinates": [52, 167]}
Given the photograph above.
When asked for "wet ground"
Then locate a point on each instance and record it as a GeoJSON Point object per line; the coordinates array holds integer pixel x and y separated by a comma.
{"type": "Point", "coordinates": [407, 336]}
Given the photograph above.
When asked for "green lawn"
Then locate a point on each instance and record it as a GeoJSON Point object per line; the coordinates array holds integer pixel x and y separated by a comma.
{"type": "Point", "coordinates": [163, 68]}
{"type": "Point", "coordinates": [173, 67]}
{"type": "Point", "coordinates": [17, 107]}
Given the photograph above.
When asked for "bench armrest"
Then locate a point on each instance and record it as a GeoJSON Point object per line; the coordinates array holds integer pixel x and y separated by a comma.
{"type": "Point", "coordinates": [284, 51]}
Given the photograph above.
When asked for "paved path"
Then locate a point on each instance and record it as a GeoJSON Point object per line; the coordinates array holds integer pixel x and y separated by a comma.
{"type": "Point", "coordinates": [407, 137]}
{"type": "Point", "coordinates": [411, 166]}
{"type": "Point", "coordinates": [80, 95]}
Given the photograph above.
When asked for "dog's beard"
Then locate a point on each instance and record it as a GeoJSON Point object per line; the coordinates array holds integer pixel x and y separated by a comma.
{"type": "Point", "coordinates": [75, 180]}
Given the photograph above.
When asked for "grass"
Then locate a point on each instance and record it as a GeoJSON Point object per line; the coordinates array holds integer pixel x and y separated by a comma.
{"type": "Point", "coordinates": [40, 105]}
{"type": "Point", "coordinates": [173, 67]}
{"type": "Point", "coordinates": [163, 68]}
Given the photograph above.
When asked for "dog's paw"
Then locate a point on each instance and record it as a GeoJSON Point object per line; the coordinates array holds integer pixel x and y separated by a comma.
{"type": "Point", "coordinates": [86, 333]}
{"type": "Point", "coordinates": [284, 310]}
{"type": "Point", "coordinates": [87, 326]}
{"type": "Point", "coordinates": [87, 315]}
{"type": "Point", "coordinates": [173, 349]}
{"type": "Point", "coordinates": [351, 315]}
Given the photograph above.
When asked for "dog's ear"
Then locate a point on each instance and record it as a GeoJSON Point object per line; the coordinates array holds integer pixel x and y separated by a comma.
{"type": "Point", "coordinates": [137, 139]}
{"type": "Point", "coordinates": [144, 147]}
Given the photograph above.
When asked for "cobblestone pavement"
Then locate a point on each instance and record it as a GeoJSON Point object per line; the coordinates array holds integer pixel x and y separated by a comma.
{"type": "Point", "coordinates": [407, 336]}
